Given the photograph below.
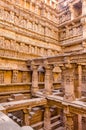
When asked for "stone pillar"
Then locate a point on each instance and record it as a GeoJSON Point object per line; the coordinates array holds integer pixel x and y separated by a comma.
{"type": "Point", "coordinates": [31, 6]}
{"type": "Point", "coordinates": [62, 80]}
{"type": "Point", "coordinates": [69, 125]}
{"type": "Point", "coordinates": [48, 79]}
{"type": "Point", "coordinates": [79, 80]}
{"type": "Point", "coordinates": [83, 21]}
{"type": "Point", "coordinates": [69, 122]}
{"type": "Point", "coordinates": [79, 122]}
{"type": "Point", "coordinates": [34, 79]}
{"type": "Point", "coordinates": [26, 121]}
{"type": "Point", "coordinates": [83, 7]}
{"type": "Point", "coordinates": [69, 73]}
{"type": "Point", "coordinates": [36, 8]}
{"type": "Point", "coordinates": [25, 3]}
{"type": "Point", "coordinates": [72, 11]}
{"type": "Point", "coordinates": [47, 121]}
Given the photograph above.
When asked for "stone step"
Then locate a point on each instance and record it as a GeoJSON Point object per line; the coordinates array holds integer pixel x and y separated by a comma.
{"type": "Point", "coordinates": [55, 119]}
{"type": "Point", "coordinates": [36, 109]}
{"type": "Point", "coordinates": [37, 126]}
{"type": "Point", "coordinates": [60, 128]}
{"type": "Point", "coordinates": [10, 99]}
{"type": "Point", "coordinates": [36, 117]}
{"type": "Point", "coordinates": [56, 125]}
{"type": "Point", "coordinates": [32, 113]}
{"type": "Point", "coordinates": [10, 115]}
{"type": "Point", "coordinates": [55, 122]}
{"type": "Point", "coordinates": [14, 118]}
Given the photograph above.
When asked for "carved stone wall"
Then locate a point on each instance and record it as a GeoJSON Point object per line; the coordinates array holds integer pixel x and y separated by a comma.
{"type": "Point", "coordinates": [28, 30]}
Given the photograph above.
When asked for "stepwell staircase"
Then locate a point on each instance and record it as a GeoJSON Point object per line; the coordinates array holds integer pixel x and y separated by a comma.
{"type": "Point", "coordinates": [36, 119]}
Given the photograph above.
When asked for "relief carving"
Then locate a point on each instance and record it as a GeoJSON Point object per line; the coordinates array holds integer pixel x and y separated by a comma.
{"type": "Point", "coordinates": [16, 20]}
{"type": "Point", "coordinates": [24, 77]}
{"type": "Point", "coordinates": [1, 77]}
{"type": "Point", "coordinates": [14, 76]}
{"type": "Point", "coordinates": [1, 13]}
{"type": "Point", "coordinates": [6, 15]}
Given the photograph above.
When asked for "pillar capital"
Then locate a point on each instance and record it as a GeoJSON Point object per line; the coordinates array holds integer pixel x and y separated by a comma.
{"type": "Point", "coordinates": [33, 65]}
{"type": "Point", "coordinates": [47, 65]}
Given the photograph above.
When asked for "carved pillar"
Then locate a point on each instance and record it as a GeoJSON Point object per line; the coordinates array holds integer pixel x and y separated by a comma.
{"type": "Point", "coordinates": [68, 119]}
{"type": "Point", "coordinates": [69, 73]}
{"type": "Point", "coordinates": [48, 79]}
{"type": "Point", "coordinates": [69, 125]}
{"type": "Point", "coordinates": [26, 121]}
{"type": "Point", "coordinates": [34, 79]}
{"type": "Point", "coordinates": [15, 76]}
{"type": "Point", "coordinates": [47, 121]}
{"type": "Point", "coordinates": [79, 80]}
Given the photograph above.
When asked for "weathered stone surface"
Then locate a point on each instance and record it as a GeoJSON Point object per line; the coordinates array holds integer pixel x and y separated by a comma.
{"type": "Point", "coordinates": [51, 36]}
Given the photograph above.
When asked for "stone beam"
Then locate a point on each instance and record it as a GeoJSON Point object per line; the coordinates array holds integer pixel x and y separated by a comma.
{"type": "Point", "coordinates": [23, 104]}
{"type": "Point", "coordinates": [79, 57]}
{"type": "Point", "coordinates": [75, 108]}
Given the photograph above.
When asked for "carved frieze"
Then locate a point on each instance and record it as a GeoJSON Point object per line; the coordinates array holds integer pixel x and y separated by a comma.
{"type": "Point", "coordinates": [65, 17]}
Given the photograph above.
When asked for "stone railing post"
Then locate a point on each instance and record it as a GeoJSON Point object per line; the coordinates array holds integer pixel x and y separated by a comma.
{"type": "Point", "coordinates": [26, 121]}
{"type": "Point", "coordinates": [69, 125]}
{"type": "Point", "coordinates": [68, 121]}
{"type": "Point", "coordinates": [48, 79]}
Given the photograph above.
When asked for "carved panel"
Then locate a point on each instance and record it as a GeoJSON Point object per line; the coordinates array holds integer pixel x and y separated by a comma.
{"type": "Point", "coordinates": [14, 76]}
{"type": "Point", "coordinates": [24, 77]}
{"type": "Point", "coordinates": [65, 17]}
{"type": "Point", "coordinates": [1, 77]}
